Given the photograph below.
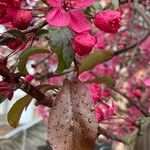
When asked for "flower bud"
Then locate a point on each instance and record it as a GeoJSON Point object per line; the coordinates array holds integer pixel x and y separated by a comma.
{"type": "Point", "coordinates": [2, 12]}
{"type": "Point", "coordinates": [22, 19]}
{"type": "Point", "coordinates": [15, 3]}
{"type": "Point", "coordinates": [83, 43]}
{"type": "Point", "coordinates": [137, 93]}
{"type": "Point", "coordinates": [108, 21]}
{"type": "Point", "coordinates": [14, 44]}
{"type": "Point", "coordinates": [29, 77]}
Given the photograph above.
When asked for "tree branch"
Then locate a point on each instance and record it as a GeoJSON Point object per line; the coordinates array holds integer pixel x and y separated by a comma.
{"type": "Point", "coordinates": [128, 139]}
{"type": "Point", "coordinates": [25, 86]}
{"type": "Point", "coordinates": [126, 49]}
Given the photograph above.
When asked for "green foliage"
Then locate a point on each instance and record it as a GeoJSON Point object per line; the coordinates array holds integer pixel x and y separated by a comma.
{"type": "Point", "coordinates": [115, 4]}
{"type": "Point", "coordinates": [41, 32]}
{"type": "Point", "coordinates": [16, 110]}
{"type": "Point", "coordinates": [24, 57]}
{"type": "Point", "coordinates": [97, 7]}
{"type": "Point", "coordinates": [59, 39]}
{"type": "Point", "coordinates": [65, 57]}
{"type": "Point", "coordinates": [94, 59]}
{"type": "Point", "coordinates": [106, 80]}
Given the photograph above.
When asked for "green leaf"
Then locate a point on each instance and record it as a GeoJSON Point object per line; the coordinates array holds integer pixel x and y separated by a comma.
{"type": "Point", "coordinates": [16, 110]}
{"type": "Point", "coordinates": [65, 58]}
{"type": "Point", "coordinates": [24, 57]}
{"type": "Point", "coordinates": [59, 39]}
{"type": "Point", "coordinates": [41, 32]}
{"type": "Point", "coordinates": [106, 80]}
{"type": "Point", "coordinates": [94, 59]}
{"type": "Point", "coordinates": [59, 36]}
{"type": "Point", "coordinates": [97, 7]}
{"type": "Point", "coordinates": [115, 4]}
{"type": "Point", "coordinates": [18, 34]}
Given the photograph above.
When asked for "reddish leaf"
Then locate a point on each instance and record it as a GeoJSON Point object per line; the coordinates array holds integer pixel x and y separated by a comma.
{"type": "Point", "coordinates": [72, 121]}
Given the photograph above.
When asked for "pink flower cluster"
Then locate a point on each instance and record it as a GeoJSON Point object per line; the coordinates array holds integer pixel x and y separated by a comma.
{"type": "Point", "coordinates": [69, 13]}
{"type": "Point", "coordinates": [10, 12]}
{"type": "Point", "coordinates": [105, 111]}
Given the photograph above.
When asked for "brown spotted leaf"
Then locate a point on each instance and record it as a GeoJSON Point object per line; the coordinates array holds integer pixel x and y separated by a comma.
{"type": "Point", "coordinates": [72, 121]}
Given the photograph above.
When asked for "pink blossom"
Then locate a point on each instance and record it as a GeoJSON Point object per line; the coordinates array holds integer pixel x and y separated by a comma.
{"type": "Point", "coordinates": [95, 92]}
{"type": "Point", "coordinates": [99, 114]}
{"type": "Point", "coordinates": [83, 43]}
{"type": "Point", "coordinates": [69, 13]}
{"type": "Point", "coordinates": [109, 111]}
{"type": "Point", "coordinates": [147, 82]}
{"type": "Point", "coordinates": [56, 80]}
{"type": "Point", "coordinates": [105, 93]}
{"type": "Point", "coordinates": [137, 93]}
{"type": "Point", "coordinates": [108, 21]}
{"type": "Point", "coordinates": [8, 10]}
{"type": "Point", "coordinates": [85, 76]}
{"type": "Point", "coordinates": [105, 111]}
{"type": "Point", "coordinates": [145, 46]}
{"type": "Point", "coordinates": [43, 111]}
{"type": "Point", "coordinates": [100, 41]}
{"type": "Point", "coordinates": [29, 77]}
{"type": "Point", "coordinates": [135, 113]}
{"type": "Point", "coordinates": [22, 19]}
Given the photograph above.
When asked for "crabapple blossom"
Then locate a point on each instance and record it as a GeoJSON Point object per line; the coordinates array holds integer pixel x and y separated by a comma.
{"type": "Point", "coordinates": [108, 21]}
{"type": "Point", "coordinates": [137, 93]}
{"type": "Point", "coordinates": [22, 19]}
{"type": "Point", "coordinates": [83, 43]}
{"type": "Point", "coordinates": [69, 13]}
{"type": "Point", "coordinates": [29, 77]}
{"type": "Point", "coordinates": [8, 9]}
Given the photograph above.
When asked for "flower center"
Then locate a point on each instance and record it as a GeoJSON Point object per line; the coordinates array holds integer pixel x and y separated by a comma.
{"type": "Point", "coordinates": [68, 4]}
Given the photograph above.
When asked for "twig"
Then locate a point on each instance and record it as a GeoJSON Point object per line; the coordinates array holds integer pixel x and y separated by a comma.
{"type": "Point", "coordinates": [131, 102]}
{"type": "Point", "coordinates": [41, 98]}
{"type": "Point", "coordinates": [50, 75]}
{"type": "Point", "coordinates": [132, 46]}
{"type": "Point", "coordinates": [25, 86]}
{"type": "Point", "coordinates": [110, 135]}
{"type": "Point", "coordinates": [34, 28]}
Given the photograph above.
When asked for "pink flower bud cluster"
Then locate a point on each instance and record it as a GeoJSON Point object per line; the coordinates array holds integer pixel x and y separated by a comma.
{"type": "Point", "coordinates": [11, 12]}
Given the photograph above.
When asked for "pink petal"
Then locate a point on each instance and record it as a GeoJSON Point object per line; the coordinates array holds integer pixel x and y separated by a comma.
{"type": "Point", "coordinates": [78, 22]}
{"type": "Point", "coordinates": [4, 20]}
{"type": "Point", "coordinates": [55, 3]}
{"type": "Point", "coordinates": [58, 17]}
{"type": "Point", "coordinates": [11, 12]}
{"type": "Point", "coordinates": [99, 114]}
{"type": "Point", "coordinates": [84, 3]}
{"type": "Point", "coordinates": [147, 82]}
